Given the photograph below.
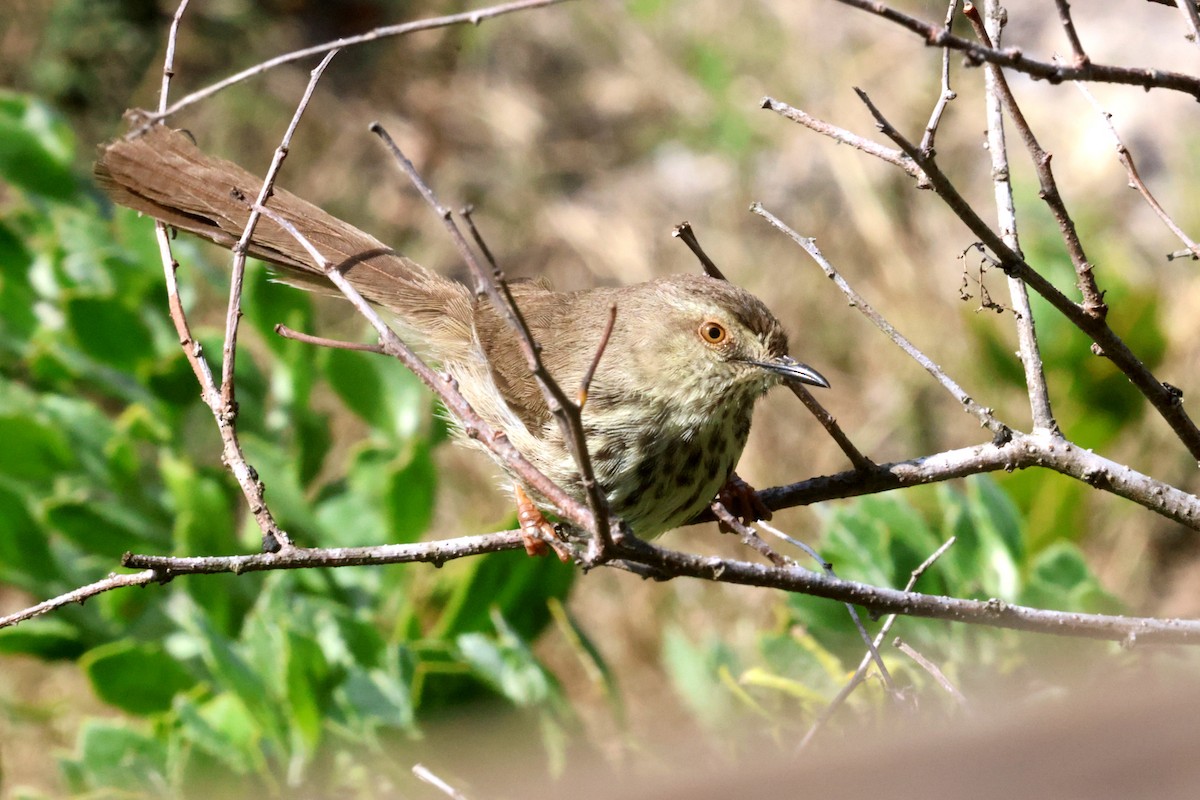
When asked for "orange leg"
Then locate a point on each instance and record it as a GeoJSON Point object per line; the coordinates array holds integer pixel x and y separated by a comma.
{"type": "Point", "coordinates": [538, 534]}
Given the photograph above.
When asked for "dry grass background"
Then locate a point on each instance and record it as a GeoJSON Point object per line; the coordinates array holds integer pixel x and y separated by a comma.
{"type": "Point", "coordinates": [584, 132]}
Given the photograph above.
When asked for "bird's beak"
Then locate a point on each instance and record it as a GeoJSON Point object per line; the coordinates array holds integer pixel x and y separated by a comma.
{"type": "Point", "coordinates": [792, 370]}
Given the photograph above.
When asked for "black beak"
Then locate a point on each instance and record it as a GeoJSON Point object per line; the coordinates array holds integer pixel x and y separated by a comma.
{"type": "Point", "coordinates": [793, 370]}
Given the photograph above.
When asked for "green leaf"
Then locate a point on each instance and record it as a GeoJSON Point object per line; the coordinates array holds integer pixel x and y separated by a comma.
{"type": "Point", "coordinates": [379, 390]}
{"type": "Point", "coordinates": [511, 582]}
{"type": "Point", "coordinates": [35, 148]}
{"type": "Point", "coordinates": [111, 756]}
{"type": "Point", "coordinates": [506, 663]}
{"type": "Point", "coordinates": [108, 332]}
{"type": "Point", "coordinates": [25, 558]}
{"type": "Point", "coordinates": [225, 729]}
{"type": "Point", "coordinates": [373, 697]}
{"type": "Point", "coordinates": [100, 527]}
{"type": "Point", "coordinates": [695, 675]}
{"type": "Point", "coordinates": [48, 638]}
{"type": "Point", "coordinates": [32, 451]}
{"type": "Point", "coordinates": [409, 496]}
{"type": "Point", "coordinates": [138, 678]}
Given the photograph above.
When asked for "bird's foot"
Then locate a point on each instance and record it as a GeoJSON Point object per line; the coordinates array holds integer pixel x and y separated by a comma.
{"type": "Point", "coordinates": [538, 534]}
{"type": "Point", "coordinates": [742, 501]}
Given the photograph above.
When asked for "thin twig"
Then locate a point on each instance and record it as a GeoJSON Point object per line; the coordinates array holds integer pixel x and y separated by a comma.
{"type": "Point", "coordinates": [1135, 179]}
{"type": "Point", "coordinates": [273, 537]}
{"type": "Point", "coordinates": [984, 415]}
{"type": "Point", "coordinates": [947, 94]}
{"type": "Point", "coordinates": [1191, 18]}
{"type": "Point", "coordinates": [827, 568]}
{"type": "Point", "coordinates": [169, 58]}
{"type": "Point", "coordinates": [585, 383]}
{"type": "Point", "coordinates": [844, 136]}
{"type": "Point", "coordinates": [868, 657]}
{"type": "Point", "coordinates": [1064, 16]}
{"type": "Point", "coordinates": [997, 95]}
{"type": "Point", "coordinates": [830, 424]}
{"type": "Point", "coordinates": [320, 341]}
{"type": "Point", "coordinates": [462, 18]}
{"type": "Point", "coordinates": [423, 772]}
{"type": "Point", "coordinates": [566, 413]}
{"type": "Point", "coordinates": [113, 581]}
{"type": "Point", "coordinates": [1013, 58]}
{"type": "Point", "coordinates": [748, 535]}
{"type": "Point", "coordinates": [1021, 451]}
{"type": "Point", "coordinates": [683, 231]}
{"type": "Point", "coordinates": [931, 668]}
{"type": "Point", "coordinates": [473, 425]}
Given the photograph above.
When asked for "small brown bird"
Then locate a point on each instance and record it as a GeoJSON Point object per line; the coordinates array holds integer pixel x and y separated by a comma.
{"type": "Point", "coordinates": [668, 410]}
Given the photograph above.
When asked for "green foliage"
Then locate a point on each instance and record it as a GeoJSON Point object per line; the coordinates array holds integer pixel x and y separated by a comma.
{"type": "Point", "coordinates": [261, 680]}
{"type": "Point", "coordinates": [814, 649]}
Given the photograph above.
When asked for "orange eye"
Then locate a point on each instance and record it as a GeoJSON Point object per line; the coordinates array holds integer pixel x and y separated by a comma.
{"type": "Point", "coordinates": [713, 332]}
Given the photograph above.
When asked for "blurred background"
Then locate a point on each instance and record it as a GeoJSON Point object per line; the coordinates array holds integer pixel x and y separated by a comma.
{"type": "Point", "coordinates": [582, 133]}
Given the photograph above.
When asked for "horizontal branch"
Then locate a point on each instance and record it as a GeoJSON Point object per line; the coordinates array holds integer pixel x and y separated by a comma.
{"type": "Point", "coordinates": [1022, 451]}
{"type": "Point", "coordinates": [673, 564]}
{"type": "Point", "coordinates": [1014, 58]}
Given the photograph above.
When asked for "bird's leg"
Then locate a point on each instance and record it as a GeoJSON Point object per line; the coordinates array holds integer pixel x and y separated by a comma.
{"type": "Point", "coordinates": [539, 535]}
{"type": "Point", "coordinates": [742, 501]}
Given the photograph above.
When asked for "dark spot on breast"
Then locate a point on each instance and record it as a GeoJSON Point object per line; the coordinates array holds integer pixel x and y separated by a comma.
{"type": "Point", "coordinates": [610, 452]}
{"type": "Point", "coordinates": [688, 506]}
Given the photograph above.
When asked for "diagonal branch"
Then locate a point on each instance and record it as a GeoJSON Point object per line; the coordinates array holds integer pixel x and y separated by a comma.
{"type": "Point", "coordinates": [1167, 400]}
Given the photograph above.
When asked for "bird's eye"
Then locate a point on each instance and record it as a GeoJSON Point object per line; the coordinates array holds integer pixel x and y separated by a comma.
{"type": "Point", "coordinates": [713, 332]}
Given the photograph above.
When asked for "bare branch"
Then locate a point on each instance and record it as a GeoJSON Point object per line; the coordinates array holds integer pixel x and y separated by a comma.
{"type": "Point", "coordinates": [1093, 298]}
{"type": "Point", "coordinates": [867, 659]}
{"type": "Point", "coordinates": [683, 231]}
{"type": "Point", "coordinates": [997, 96]}
{"type": "Point", "coordinates": [938, 676]}
{"type": "Point", "coordinates": [829, 422]}
{"type": "Point", "coordinates": [1191, 18]}
{"type": "Point", "coordinates": [1064, 16]}
{"type": "Point", "coordinates": [1021, 451]}
{"type": "Point", "coordinates": [984, 415]}
{"type": "Point", "coordinates": [947, 94]}
{"type": "Point", "coordinates": [424, 773]}
{"type": "Point", "coordinates": [462, 18]}
{"type": "Point", "coordinates": [113, 581]}
{"type": "Point", "coordinates": [1135, 179]}
{"type": "Point", "coordinates": [1013, 58]}
{"type": "Point", "coordinates": [320, 341]}
{"type": "Point", "coordinates": [1165, 399]}
{"type": "Point", "coordinates": [846, 137]}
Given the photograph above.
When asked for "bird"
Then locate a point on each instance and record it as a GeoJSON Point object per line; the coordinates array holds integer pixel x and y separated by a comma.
{"type": "Point", "coordinates": [668, 409]}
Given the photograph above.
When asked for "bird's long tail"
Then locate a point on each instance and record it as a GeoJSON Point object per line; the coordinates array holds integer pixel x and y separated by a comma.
{"type": "Point", "coordinates": [162, 173]}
